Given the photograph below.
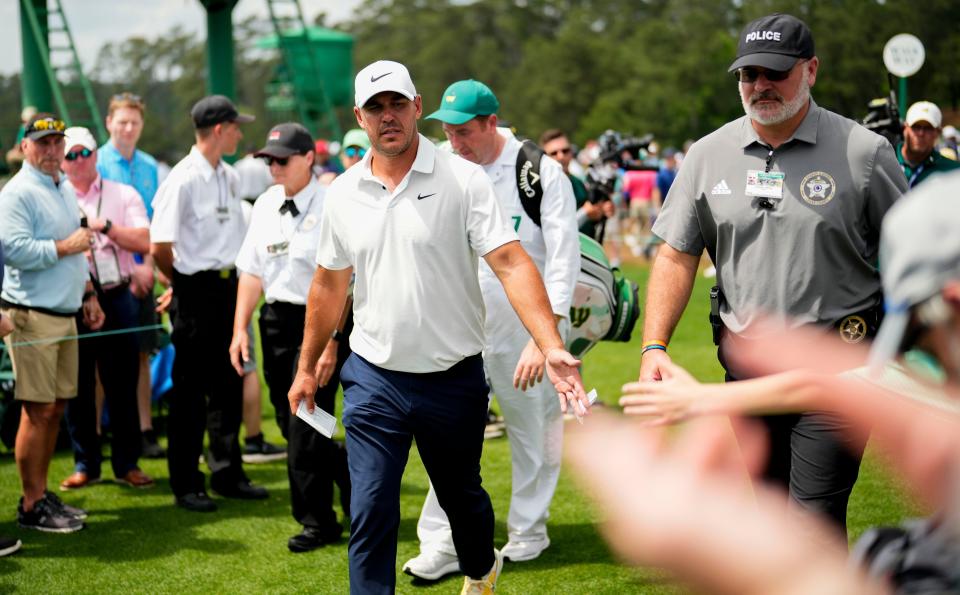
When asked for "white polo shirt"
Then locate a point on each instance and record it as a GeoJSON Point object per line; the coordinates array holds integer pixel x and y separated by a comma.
{"type": "Point", "coordinates": [554, 245]}
{"type": "Point", "coordinates": [197, 208]}
{"type": "Point", "coordinates": [415, 252]}
{"type": "Point", "coordinates": [281, 249]}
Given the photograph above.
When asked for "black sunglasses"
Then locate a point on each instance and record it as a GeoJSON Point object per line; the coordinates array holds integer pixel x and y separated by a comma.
{"type": "Point", "coordinates": [281, 161]}
{"type": "Point", "coordinates": [354, 152]}
{"type": "Point", "coordinates": [750, 74]}
{"type": "Point", "coordinates": [73, 155]}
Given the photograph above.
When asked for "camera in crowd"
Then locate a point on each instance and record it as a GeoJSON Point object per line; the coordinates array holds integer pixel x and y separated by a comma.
{"type": "Point", "coordinates": [883, 117]}
{"type": "Point", "coordinates": [617, 151]}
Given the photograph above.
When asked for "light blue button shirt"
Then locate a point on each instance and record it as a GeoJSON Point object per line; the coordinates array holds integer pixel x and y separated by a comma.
{"type": "Point", "coordinates": [139, 172]}
{"type": "Point", "coordinates": [34, 213]}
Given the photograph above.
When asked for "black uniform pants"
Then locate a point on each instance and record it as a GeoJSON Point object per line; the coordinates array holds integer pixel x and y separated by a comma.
{"type": "Point", "coordinates": [313, 460]}
{"type": "Point", "coordinates": [202, 314]}
{"type": "Point", "coordinates": [115, 357]}
{"type": "Point", "coordinates": [813, 456]}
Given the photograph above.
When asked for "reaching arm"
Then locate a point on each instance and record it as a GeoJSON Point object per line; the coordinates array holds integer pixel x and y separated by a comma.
{"type": "Point", "coordinates": [325, 303]}
{"type": "Point", "coordinates": [671, 282]}
{"type": "Point", "coordinates": [679, 396]}
{"type": "Point", "coordinates": [527, 295]}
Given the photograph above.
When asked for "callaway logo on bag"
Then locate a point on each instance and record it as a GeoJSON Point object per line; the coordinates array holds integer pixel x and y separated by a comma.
{"type": "Point", "coordinates": [605, 303]}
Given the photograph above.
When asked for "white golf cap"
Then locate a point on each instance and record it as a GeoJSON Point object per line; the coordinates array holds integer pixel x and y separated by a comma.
{"type": "Point", "coordinates": [913, 270]}
{"type": "Point", "coordinates": [924, 111]}
{"type": "Point", "coordinates": [78, 135]}
{"type": "Point", "coordinates": [381, 76]}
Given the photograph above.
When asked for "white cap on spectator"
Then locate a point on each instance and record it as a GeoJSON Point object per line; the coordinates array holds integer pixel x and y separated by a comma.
{"type": "Point", "coordinates": [924, 111]}
{"type": "Point", "coordinates": [381, 76]}
{"type": "Point", "coordinates": [78, 135]}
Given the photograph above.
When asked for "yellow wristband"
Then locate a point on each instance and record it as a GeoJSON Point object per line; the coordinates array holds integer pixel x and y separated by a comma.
{"type": "Point", "coordinates": [649, 343]}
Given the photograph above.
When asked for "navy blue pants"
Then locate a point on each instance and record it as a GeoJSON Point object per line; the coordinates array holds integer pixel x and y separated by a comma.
{"type": "Point", "coordinates": [116, 358]}
{"type": "Point", "coordinates": [445, 412]}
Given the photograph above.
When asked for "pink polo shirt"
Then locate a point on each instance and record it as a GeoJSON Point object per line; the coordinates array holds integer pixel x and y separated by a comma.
{"type": "Point", "coordinates": [122, 205]}
{"type": "Point", "coordinates": [638, 185]}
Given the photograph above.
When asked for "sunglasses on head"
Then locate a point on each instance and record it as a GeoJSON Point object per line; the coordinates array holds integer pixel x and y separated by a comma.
{"type": "Point", "coordinates": [47, 124]}
{"type": "Point", "coordinates": [127, 96]}
{"type": "Point", "coordinates": [73, 155]}
{"type": "Point", "coordinates": [750, 74]}
{"type": "Point", "coordinates": [560, 151]}
{"type": "Point", "coordinates": [354, 152]}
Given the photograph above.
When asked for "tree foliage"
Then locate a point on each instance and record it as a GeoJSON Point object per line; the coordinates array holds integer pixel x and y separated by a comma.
{"type": "Point", "coordinates": [582, 65]}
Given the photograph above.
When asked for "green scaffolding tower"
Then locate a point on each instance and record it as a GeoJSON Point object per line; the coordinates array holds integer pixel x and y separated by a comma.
{"type": "Point", "coordinates": [299, 85]}
{"type": "Point", "coordinates": [53, 79]}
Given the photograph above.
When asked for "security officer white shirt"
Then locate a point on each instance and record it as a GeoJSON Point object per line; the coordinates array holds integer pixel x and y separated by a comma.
{"type": "Point", "coordinates": [415, 252]}
{"type": "Point", "coordinates": [197, 208]}
{"type": "Point", "coordinates": [808, 249]}
{"type": "Point", "coordinates": [279, 248]}
{"type": "Point", "coordinates": [554, 245]}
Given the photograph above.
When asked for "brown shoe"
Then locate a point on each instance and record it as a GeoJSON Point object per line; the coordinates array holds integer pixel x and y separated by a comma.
{"type": "Point", "coordinates": [78, 480]}
{"type": "Point", "coordinates": [136, 478]}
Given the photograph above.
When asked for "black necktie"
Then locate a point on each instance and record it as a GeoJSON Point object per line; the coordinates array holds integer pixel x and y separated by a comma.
{"type": "Point", "coordinates": [289, 205]}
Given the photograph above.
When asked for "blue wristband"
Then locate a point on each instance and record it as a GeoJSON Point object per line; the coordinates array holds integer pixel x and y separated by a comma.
{"type": "Point", "coordinates": [651, 347]}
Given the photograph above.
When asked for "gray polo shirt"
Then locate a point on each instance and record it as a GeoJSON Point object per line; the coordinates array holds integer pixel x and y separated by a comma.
{"type": "Point", "coordinates": [810, 253]}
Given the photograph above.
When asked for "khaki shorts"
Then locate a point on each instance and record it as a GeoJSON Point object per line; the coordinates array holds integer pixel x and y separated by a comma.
{"type": "Point", "coordinates": [45, 371]}
{"type": "Point", "coordinates": [641, 209]}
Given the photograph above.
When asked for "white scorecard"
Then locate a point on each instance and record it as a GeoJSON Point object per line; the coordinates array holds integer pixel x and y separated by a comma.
{"type": "Point", "coordinates": [319, 420]}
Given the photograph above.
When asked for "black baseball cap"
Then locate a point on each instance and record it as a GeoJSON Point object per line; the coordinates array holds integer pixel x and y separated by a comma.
{"type": "Point", "coordinates": [285, 140]}
{"type": "Point", "coordinates": [44, 124]}
{"type": "Point", "coordinates": [776, 41]}
{"type": "Point", "coordinates": [215, 109]}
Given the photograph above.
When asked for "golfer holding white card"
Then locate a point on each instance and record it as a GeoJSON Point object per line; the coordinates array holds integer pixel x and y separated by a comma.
{"type": "Point", "coordinates": [411, 222]}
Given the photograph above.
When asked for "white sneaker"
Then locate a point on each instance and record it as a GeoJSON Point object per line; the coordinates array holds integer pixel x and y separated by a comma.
{"type": "Point", "coordinates": [522, 551]}
{"type": "Point", "coordinates": [432, 565]}
{"type": "Point", "coordinates": [488, 584]}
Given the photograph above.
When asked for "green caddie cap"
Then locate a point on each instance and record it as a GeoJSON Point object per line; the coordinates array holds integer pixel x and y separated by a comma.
{"type": "Point", "coordinates": [465, 100]}
{"type": "Point", "coordinates": [356, 138]}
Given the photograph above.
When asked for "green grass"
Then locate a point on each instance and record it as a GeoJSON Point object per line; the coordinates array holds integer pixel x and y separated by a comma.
{"type": "Point", "coordinates": [136, 541]}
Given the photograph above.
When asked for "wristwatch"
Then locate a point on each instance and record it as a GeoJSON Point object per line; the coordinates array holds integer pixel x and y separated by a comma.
{"type": "Point", "coordinates": [336, 336]}
{"type": "Point", "coordinates": [107, 226]}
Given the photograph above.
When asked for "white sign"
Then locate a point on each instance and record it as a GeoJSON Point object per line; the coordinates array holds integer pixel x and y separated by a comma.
{"type": "Point", "coordinates": [903, 55]}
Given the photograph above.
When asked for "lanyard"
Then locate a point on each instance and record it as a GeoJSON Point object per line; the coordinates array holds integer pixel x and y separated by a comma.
{"type": "Point", "coordinates": [916, 174]}
{"type": "Point", "coordinates": [221, 193]}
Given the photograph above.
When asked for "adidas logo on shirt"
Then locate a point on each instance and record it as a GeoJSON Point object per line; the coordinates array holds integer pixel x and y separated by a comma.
{"type": "Point", "coordinates": [721, 188]}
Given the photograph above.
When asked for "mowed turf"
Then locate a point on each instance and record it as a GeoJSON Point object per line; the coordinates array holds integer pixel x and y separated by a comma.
{"type": "Point", "coordinates": [136, 541]}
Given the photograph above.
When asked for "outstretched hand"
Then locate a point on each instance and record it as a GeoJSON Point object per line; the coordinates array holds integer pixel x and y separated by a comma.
{"type": "Point", "coordinates": [563, 371]}
{"type": "Point", "coordinates": [673, 399]}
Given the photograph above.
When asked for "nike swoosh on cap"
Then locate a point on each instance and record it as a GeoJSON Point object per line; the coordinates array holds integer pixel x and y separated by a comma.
{"type": "Point", "coordinates": [374, 79]}
{"type": "Point", "coordinates": [423, 196]}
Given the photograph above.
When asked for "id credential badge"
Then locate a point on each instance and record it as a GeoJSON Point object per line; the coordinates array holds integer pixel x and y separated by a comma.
{"type": "Point", "coordinates": [108, 266]}
{"type": "Point", "coordinates": [768, 184]}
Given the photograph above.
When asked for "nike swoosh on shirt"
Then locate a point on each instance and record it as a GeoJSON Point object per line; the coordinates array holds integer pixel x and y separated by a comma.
{"type": "Point", "coordinates": [423, 196]}
{"type": "Point", "coordinates": [374, 79]}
